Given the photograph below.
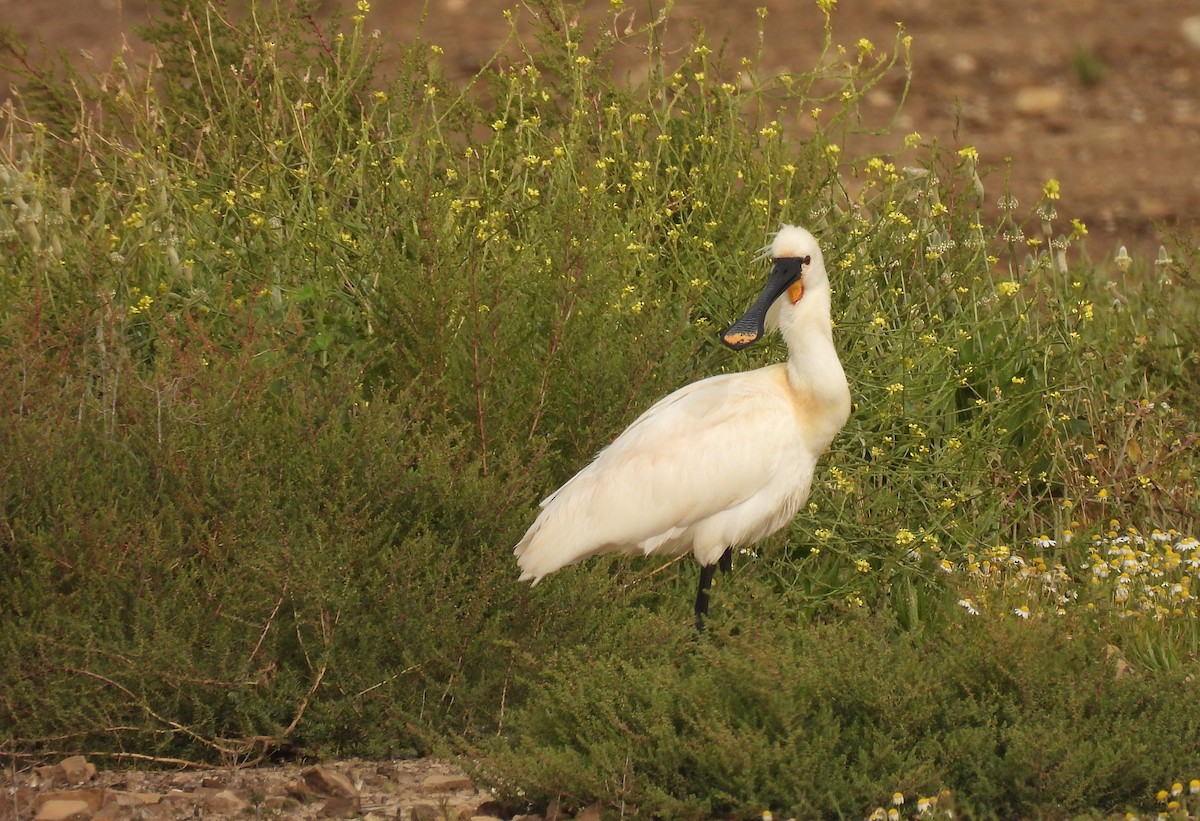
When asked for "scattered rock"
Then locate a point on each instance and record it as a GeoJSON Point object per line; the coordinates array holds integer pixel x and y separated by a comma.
{"type": "Point", "coordinates": [132, 799]}
{"type": "Point", "coordinates": [446, 783]}
{"type": "Point", "coordinates": [341, 807]}
{"type": "Point", "coordinates": [881, 98]}
{"type": "Point", "coordinates": [77, 769]}
{"type": "Point", "coordinates": [113, 812]}
{"type": "Point", "coordinates": [327, 782]}
{"type": "Point", "coordinates": [387, 792]}
{"type": "Point", "coordinates": [592, 813]}
{"type": "Point", "coordinates": [301, 792]}
{"type": "Point", "coordinates": [425, 812]}
{"type": "Point", "coordinates": [1190, 29]}
{"type": "Point", "coordinates": [94, 799]}
{"type": "Point", "coordinates": [1040, 101]}
{"type": "Point", "coordinates": [63, 809]}
{"type": "Point", "coordinates": [48, 774]}
{"type": "Point", "coordinates": [964, 64]}
{"type": "Point", "coordinates": [226, 801]}
{"type": "Point", "coordinates": [493, 808]}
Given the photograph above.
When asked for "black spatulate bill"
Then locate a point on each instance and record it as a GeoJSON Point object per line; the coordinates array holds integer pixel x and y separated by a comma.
{"type": "Point", "coordinates": [750, 328]}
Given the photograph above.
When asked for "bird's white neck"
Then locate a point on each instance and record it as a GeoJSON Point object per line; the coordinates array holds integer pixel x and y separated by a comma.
{"type": "Point", "coordinates": [813, 367]}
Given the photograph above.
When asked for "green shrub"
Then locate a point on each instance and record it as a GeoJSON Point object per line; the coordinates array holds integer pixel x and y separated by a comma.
{"type": "Point", "coordinates": [210, 567]}
{"type": "Point", "coordinates": [829, 719]}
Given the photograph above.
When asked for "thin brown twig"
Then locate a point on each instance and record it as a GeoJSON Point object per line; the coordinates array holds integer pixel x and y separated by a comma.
{"type": "Point", "coordinates": [503, 702]}
{"type": "Point", "coordinates": [329, 52]}
{"type": "Point", "coordinates": [149, 711]}
{"type": "Point", "coordinates": [377, 685]}
{"type": "Point", "coordinates": [263, 635]}
{"type": "Point", "coordinates": [647, 576]}
{"type": "Point", "coordinates": [304, 702]}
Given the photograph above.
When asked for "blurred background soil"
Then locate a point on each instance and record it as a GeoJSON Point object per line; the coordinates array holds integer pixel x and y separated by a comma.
{"type": "Point", "coordinates": [1099, 95]}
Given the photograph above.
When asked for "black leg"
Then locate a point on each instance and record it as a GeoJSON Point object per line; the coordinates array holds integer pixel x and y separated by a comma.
{"type": "Point", "coordinates": [726, 560]}
{"type": "Point", "coordinates": [706, 577]}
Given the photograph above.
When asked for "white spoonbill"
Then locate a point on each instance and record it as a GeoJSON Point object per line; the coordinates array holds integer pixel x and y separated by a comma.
{"type": "Point", "coordinates": [720, 463]}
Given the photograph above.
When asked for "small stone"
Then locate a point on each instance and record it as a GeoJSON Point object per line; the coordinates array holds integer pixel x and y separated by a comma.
{"type": "Point", "coordinates": [62, 809]}
{"type": "Point", "coordinates": [77, 769]}
{"type": "Point", "coordinates": [341, 807]}
{"type": "Point", "coordinates": [226, 801]}
{"type": "Point", "coordinates": [964, 64]}
{"type": "Point", "coordinates": [485, 818]}
{"type": "Point", "coordinates": [330, 783]}
{"type": "Point", "coordinates": [880, 98]}
{"type": "Point", "coordinates": [49, 774]}
{"type": "Point", "coordinates": [1040, 101]}
{"type": "Point", "coordinates": [132, 799]}
{"type": "Point", "coordinates": [301, 792]}
{"type": "Point", "coordinates": [161, 812]}
{"type": "Point", "coordinates": [424, 812]}
{"type": "Point", "coordinates": [1190, 29]}
{"type": "Point", "coordinates": [494, 808]}
{"type": "Point", "coordinates": [446, 783]}
{"type": "Point", "coordinates": [93, 798]}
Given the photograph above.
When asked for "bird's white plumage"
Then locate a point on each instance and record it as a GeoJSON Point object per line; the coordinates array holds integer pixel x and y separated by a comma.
{"type": "Point", "coordinates": [719, 463]}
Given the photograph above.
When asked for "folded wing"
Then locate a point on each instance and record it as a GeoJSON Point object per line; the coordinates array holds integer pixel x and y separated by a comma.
{"type": "Point", "coordinates": [710, 462]}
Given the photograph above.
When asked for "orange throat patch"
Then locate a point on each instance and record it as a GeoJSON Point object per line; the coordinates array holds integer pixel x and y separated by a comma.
{"type": "Point", "coordinates": [795, 291]}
